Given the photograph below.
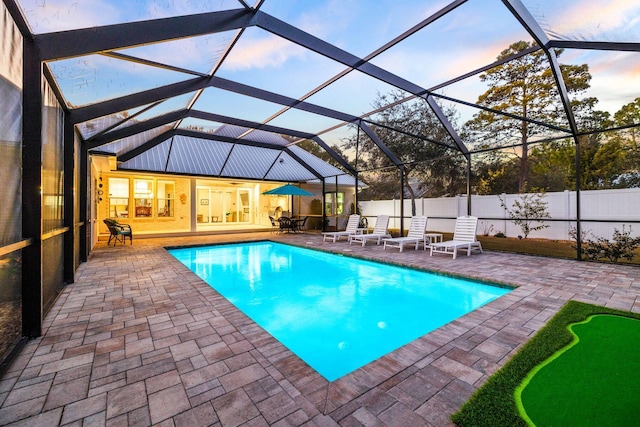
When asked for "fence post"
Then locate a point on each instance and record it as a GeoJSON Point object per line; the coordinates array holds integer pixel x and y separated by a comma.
{"type": "Point", "coordinates": [567, 205]}
{"type": "Point", "coordinates": [504, 212]}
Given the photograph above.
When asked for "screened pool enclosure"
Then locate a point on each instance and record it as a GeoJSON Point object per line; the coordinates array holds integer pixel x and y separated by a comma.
{"type": "Point", "coordinates": [395, 99]}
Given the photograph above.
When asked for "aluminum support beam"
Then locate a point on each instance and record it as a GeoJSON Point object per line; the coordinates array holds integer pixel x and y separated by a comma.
{"type": "Point", "coordinates": [374, 137]}
{"type": "Point", "coordinates": [248, 124]}
{"type": "Point", "coordinates": [303, 163]}
{"type": "Point", "coordinates": [127, 102]}
{"type": "Point", "coordinates": [135, 128]}
{"type": "Point", "coordinates": [447, 125]}
{"type": "Point", "coordinates": [164, 119]}
{"type": "Point", "coordinates": [531, 25]}
{"type": "Point", "coordinates": [83, 198]}
{"type": "Point", "coordinates": [85, 41]}
{"type": "Point", "coordinates": [147, 145]}
{"type": "Point", "coordinates": [334, 155]}
{"type": "Point", "coordinates": [588, 45]}
{"type": "Point", "coordinates": [31, 197]}
{"type": "Point", "coordinates": [71, 200]}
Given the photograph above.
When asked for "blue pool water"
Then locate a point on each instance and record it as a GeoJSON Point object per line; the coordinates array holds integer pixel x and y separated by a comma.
{"type": "Point", "coordinates": [336, 313]}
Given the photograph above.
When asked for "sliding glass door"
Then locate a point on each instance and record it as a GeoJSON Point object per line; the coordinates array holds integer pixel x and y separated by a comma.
{"type": "Point", "coordinates": [223, 205]}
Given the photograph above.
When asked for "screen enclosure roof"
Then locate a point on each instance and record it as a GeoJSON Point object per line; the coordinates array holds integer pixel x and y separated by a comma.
{"type": "Point", "coordinates": [279, 89]}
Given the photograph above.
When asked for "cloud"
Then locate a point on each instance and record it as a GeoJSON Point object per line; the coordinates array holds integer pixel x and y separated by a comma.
{"type": "Point", "coordinates": [46, 16]}
{"type": "Point", "coordinates": [196, 53]}
{"type": "Point", "coordinates": [264, 52]}
{"type": "Point", "coordinates": [614, 79]}
{"type": "Point", "coordinates": [594, 19]}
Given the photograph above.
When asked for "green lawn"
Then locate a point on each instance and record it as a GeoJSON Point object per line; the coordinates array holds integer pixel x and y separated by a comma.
{"type": "Point", "coordinates": [494, 404]}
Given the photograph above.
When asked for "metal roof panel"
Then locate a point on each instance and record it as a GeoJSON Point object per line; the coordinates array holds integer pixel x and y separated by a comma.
{"type": "Point", "coordinates": [154, 159]}
{"type": "Point", "coordinates": [249, 162]}
{"type": "Point", "coordinates": [198, 156]}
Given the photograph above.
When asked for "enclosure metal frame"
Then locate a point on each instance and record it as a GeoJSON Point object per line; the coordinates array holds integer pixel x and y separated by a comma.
{"type": "Point", "coordinates": [40, 48]}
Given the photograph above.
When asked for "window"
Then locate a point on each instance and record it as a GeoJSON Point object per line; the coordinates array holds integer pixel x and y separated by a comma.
{"type": "Point", "coordinates": [118, 198]}
{"type": "Point", "coordinates": [334, 204]}
{"type": "Point", "coordinates": [143, 197]}
{"type": "Point", "coordinates": [144, 193]}
{"type": "Point", "coordinates": [166, 195]}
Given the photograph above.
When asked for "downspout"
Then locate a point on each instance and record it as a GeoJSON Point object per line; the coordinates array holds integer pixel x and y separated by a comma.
{"type": "Point", "coordinates": [335, 201]}
{"type": "Point", "coordinates": [324, 200]}
{"type": "Point", "coordinates": [468, 184]}
{"type": "Point", "coordinates": [355, 184]}
{"type": "Point", "coordinates": [401, 202]}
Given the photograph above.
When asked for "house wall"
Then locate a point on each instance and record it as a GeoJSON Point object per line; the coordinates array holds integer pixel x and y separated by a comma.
{"type": "Point", "coordinates": [180, 222]}
{"type": "Point", "coordinates": [186, 205]}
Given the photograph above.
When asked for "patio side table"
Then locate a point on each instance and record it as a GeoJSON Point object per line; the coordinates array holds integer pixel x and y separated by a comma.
{"type": "Point", "coordinates": [431, 238]}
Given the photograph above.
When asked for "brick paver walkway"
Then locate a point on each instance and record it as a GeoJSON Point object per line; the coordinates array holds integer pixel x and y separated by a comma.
{"type": "Point", "coordinates": [140, 340]}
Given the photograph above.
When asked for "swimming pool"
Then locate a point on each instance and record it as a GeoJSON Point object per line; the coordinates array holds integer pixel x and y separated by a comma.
{"type": "Point", "coordinates": [337, 313]}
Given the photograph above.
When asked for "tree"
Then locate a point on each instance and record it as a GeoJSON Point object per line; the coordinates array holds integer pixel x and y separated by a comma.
{"type": "Point", "coordinates": [553, 165]}
{"type": "Point", "coordinates": [496, 177]}
{"type": "Point", "coordinates": [629, 139]}
{"type": "Point", "coordinates": [415, 135]}
{"type": "Point", "coordinates": [524, 87]}
{"type": "Point", "coordinates": [629, 115]}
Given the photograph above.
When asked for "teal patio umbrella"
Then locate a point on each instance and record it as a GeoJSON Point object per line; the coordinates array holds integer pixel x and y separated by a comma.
{"type": "Point", "coordinates": [288, 190]}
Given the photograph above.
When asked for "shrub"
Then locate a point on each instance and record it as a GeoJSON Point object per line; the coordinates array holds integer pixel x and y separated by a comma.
{"type": "Point", "coordinates": [622, 245]}
{"type": "Point", "coordinates": [529, 209]}
{"type": "Point", "coordinates": [487, 228]}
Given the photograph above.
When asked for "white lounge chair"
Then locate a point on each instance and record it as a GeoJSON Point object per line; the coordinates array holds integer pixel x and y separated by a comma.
{"type": "Point", "coordinates": [415, 236]}
{"type": "Point", "coordinates": [380, 231]}
{"type": "Point", "coordinates": [464, 237]}
{"type": "Point", "coordinates": [352, 228]}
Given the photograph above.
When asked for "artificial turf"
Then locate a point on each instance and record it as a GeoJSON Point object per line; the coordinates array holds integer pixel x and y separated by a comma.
{"type": "Point", "coordinates": [494, 404]}
{"type": "Point", "coordinates": [591, 382]}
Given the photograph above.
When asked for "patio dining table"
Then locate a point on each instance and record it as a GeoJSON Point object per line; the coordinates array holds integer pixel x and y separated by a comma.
{"type": "Point", "coordinates": [290, 224]}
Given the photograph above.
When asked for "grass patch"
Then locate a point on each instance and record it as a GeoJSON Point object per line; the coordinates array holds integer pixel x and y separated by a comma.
{"type": "Point", "coordinates": [544, 247]}
{"type": "Point", "coordinates": [494, 404]}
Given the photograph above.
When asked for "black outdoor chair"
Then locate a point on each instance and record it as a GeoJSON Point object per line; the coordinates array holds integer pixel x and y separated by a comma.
{"type": "Point", "coordinates": [275, 227]}
{"type": "Point", "coordinates": [286, 224]}
{"type": "Point", "coordinates": [300, 224]}
{"type": "Point", "coordinates": [118, 232]}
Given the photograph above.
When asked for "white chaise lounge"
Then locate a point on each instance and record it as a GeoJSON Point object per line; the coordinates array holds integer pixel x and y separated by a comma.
{"type": "Point", "coordinates": [380, 231]}
{"type": "Point", "coordinates": [415, 236]}
{"type": "Point", "coordinates": [464, 237]}
{"type": "Point", "coordinates": [352, 228]}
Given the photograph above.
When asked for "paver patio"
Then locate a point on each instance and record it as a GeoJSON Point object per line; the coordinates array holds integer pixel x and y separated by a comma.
{"type": "Point", "coordinates": [139, 339]}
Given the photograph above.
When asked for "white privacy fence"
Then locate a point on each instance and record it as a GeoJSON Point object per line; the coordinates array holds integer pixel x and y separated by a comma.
{"type": "Point", "coordinates": [613, 208]}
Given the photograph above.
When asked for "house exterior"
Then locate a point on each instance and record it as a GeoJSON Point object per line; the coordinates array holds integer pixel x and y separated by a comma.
{"type": "Point", "coordinates": [156, 204]}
